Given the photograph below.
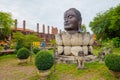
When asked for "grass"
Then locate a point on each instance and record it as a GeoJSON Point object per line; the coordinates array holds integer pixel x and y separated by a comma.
{"type": "Point", "coordinates": [95, 71]}
{"type": "Point", "coordinates": [99, 49]}
{"type": "Point", "coordinates": [96, 50]}
{"type": "Point", "coordinates": [7, 56]}
{"type": "Point", "coordinates": [116, 50]}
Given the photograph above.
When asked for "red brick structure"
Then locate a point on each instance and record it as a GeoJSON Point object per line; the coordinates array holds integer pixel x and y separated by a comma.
{"type": "Point", "coordinates": [24, 25]}
{"type": "Point", "coordinates": [46, 36]}
{"type": "Point", "coordinates": [54, 30]}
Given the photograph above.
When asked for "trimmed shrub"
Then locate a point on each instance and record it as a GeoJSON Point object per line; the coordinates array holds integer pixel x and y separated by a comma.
{"type": "Point", "coordinates": [36, 49]}
{"type": "Point", "coordinates": [23, 53]}
{"type": "Point", "coordinates": [112, 61]}
{"type": "Point", "coordinates": [18, 45]}
{"type": "Point", "coordinates": [44, 60]}
{"type": "Point", "coordinates": [116, 42]}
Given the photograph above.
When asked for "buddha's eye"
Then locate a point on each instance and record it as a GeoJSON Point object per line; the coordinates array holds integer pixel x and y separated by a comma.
{"type": "Point", "coordinates": [70, 16]}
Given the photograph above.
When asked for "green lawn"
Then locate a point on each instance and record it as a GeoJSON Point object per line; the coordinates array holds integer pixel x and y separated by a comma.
{"type": "Point", "coordinates": [10, 70]}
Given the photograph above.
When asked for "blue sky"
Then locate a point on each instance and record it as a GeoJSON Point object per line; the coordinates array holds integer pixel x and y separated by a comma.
{"type": "Point", "coordinates": [50, 12]}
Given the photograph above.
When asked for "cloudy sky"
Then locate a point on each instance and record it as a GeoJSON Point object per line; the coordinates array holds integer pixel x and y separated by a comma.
{"type": "Point", "coordinates": [50, 12]}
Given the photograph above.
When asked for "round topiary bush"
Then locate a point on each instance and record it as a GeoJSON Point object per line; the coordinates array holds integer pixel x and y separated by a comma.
{"type": "Point", "coordinates": [23, 53]}
{"type": "Point", "coordinates": [36, 49]}
{"type": "Point", "coordinates": [112, 61]}
{"type": "Point", "coordinates": [44, 60]}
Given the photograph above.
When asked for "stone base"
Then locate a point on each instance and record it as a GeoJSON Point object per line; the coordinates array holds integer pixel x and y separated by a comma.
{"type": "Point", "coordinates": [43, 74]}
{"type": "Point", "coordinates": [22, 61]}
{"type": "Point", "coordinates": [73, 59]}
{"type": "Point", "coordinates": [91, 58]}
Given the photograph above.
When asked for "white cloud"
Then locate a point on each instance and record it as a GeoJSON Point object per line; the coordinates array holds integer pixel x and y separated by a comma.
{"type": "Point", "coordinates": [50, 12]}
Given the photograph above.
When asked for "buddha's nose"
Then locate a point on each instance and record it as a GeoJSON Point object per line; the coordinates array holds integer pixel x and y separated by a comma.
{"type": "Point", "coordinates": [66, 20]}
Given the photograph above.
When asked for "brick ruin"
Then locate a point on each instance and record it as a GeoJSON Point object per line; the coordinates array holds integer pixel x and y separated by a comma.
{"type": "Point", "coordinates": [46, 36]}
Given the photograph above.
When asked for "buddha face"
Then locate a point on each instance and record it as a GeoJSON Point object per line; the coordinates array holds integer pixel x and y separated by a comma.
{"type": "Point", "coordinates": [71, 21]}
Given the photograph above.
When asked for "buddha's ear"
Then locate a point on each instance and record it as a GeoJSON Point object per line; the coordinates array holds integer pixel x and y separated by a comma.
{"type": "Point", "coordinates": [80, 22]}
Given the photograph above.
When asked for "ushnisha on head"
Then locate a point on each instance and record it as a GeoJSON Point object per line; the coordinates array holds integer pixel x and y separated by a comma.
{"type": "Point", "coordinates": [72, 20]}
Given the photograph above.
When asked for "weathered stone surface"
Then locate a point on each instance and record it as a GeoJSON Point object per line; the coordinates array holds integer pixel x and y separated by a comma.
{"type": "Point", "coordinates": [66, 37]}
{"type": "Point", "coordinates": [91, 58]}
{"type": "Point", "coordinates": [101, 56]}
{"type": "Point", "coordinates": [110, 51]}
{"type": "Point", "coordinates": [75, 50]}
{"type": "Point", "coordinates": [85, 50]}
{"type": "Point", "coordinates": [66, 59]}
{"type": "Point", "coordinates": [86, 39]}
{"type": "Point", "coordinates": [67, 50]}
{"type": "Point", "coordinates": [58, 39]}
{"type": "Point", "coordinates": [72, 20]}
{"type": "Point", "coordinates": [80, 39]}
{"type": "Point", "coordinates": [75, 39]}
{"type": "Point", "coordinates": [91, 39]}
{"type": "Point", "coordinates": [105, 50]}
{"type": "Point", "coordinates": [73, 59]}
{"type": "Point", "coordinates": [90, 48]}
{"type": "Point", "coordinates": [60, 50]}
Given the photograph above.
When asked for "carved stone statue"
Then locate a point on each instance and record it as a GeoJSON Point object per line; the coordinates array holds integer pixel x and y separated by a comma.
{"type": "Point", "coordinates": [72, 41]}
{"type": "Point", "coordinates": [80, 60]}
{"type": "Point", "coordinates": [72, 20]}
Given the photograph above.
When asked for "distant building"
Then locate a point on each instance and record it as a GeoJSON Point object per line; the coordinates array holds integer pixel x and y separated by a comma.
{"type": "Point", "coordinates": [46, 36]}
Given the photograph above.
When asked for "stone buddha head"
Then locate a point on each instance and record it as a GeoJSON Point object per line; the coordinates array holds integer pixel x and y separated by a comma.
{"type": "Point", "coordinates": [72, 20]}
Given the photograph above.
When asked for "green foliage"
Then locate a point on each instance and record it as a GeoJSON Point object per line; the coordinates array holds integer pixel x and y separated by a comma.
{"type": "Point", "coordinates": [111, 43]}
{"type": "Point", "coordinates": [52, 42]}
{"type": "Point", "coordinates": [116, 42]}
{"type": "Point", "coordinates": [108, 44]}
{"type": "Point", "coordinates": [44, 60]}
{"type": "Point", "coordinates": [106, 24]}
{"type": "Point", "coordinates": [112, 61]}
{"type": "Point", "coordinates": [1, 48]}
{"type": "Point", "coordinates": [12, 46]}
{"type": "Point", "coordinates": [23, 53]}
{"type": "Point", "coordinates": [6, 22]}
{"type": "Point", "coordinates": [18, 36]}
{"type": "Point", "coordinates": [18, 45]}
{"type": "Point", "coordinates": [27, 45]}
{"type": "Point", "coordinates": [83, 28]}
{"type": "Point", "coordinates": [1, 36]}
{"type": "Point", "coordinates": [26, 39]}
{"type": "Point", "coordinates": [36, 49]}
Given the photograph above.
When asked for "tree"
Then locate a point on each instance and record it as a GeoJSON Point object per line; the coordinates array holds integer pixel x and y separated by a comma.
{"type": "Point", "coordinates": [18, 45]}
{"type": "Point", "coordinates": [26, 39]}
{"type": "Point", "coordinates": [6, 23]}
{"type": "Point", "coordinates": [83, 28]}
{"type": "Point", "coordinates": [18, 36]}
{"type": "Point", "coordinates": [106, 25]}
{"type": "Point", "coordinates": [29, 39]}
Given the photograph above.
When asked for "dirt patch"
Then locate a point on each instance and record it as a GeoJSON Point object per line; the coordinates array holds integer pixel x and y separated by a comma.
{"type": "Point", "coordinates": [11, 70]}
